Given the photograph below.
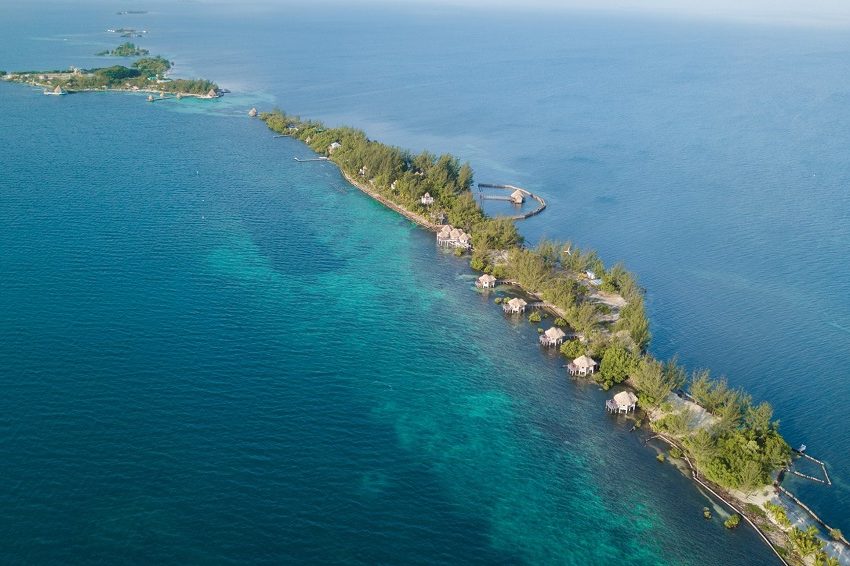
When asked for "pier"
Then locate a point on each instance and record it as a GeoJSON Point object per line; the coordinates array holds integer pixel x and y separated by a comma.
{"type": "Point", "coordinates": [541, 203]}
{"type": "Point", "coordinates": [310, 159]}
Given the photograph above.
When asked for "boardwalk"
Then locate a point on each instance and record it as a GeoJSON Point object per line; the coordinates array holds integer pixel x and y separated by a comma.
{"type": "Point", "coordinates": [540, 208]}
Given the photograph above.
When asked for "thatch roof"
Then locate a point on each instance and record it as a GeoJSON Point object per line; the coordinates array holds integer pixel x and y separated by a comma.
{"type": "Point", "coordinates": [252, 112]}
{"type": "Point", "coordinates": [517, 303]}
{"type": "Point", "coordinates": [212, 93]}
{"type": "Point", "coordinates": [555, 333]}
{"type": "Point", "coordinates": [427, 195]}
{"type": "Point", "coordinates": [584, 362]}
{"type": "Point", "coordinates": [463, 238]}
{"type": "Point", "coordinates": [487, 278]}
{"type": "Point", "coordinates": [455, 233]}
{"type": "Point", "coordinates": [625, 399]}
{"type": "Point", "coordinates": [517, 196]}
{"type": "Point", "coordinates": [58, 89]}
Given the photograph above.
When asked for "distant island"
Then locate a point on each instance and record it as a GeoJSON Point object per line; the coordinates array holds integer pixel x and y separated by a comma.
{"type": "Point", "coordinates": [126, 12]}
{"type": "Point", "coordinates": [126, 49]}
{"type": "Point", "coordinates": [145, 75]}
{"type": "Point", "coordinates": [128, 32]}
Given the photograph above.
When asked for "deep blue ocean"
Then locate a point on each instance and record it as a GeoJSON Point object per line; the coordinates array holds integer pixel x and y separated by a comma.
{"type": "Point", "coordinates": [213, 354]}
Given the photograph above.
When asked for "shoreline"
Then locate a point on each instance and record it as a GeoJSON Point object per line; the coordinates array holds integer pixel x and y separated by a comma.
{"type": "Point", "coordinates": [764, 525]}
{"type": "Point", "coordinates": [422, 222]}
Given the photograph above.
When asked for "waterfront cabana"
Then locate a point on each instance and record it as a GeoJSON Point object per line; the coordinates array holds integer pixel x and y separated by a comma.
{"type": "Point", "coordinates": [582, 365]}
{"type": "Point", "coordinates": [252, 112]}
{"type": "Point", "coordinates": [427, 199]}
{"type": "Point", "coordinates": [464, 241]}
{"type": "Point", "coordinates": [58, 90]}
{"type": "Point", "coordinates": [514, 306]}
{"type": "Point", "coordinates": [444, 236]}
{"type": "Point", "coordinates": [623, 402]}
{"type": "Point", "coordinates": [212, 93]}
{"type": "Point", "coordinates": [553, 337]}
{"type": "Point", "coordinates": [517, 197]}
{"type": "Point", "coordinates": [486, 281]}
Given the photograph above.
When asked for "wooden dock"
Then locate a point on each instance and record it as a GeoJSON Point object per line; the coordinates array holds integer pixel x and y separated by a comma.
{"type": "Point", "coordinates": [310, 159]}
{"type": "Point", "coordinates": [541, 203]}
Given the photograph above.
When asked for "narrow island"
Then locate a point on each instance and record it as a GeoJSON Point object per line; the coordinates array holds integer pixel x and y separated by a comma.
{"type": "Point", "coordinates": [726, 442]}
{"type": "Point", "coordinates": [148, 74]}
{"type": "Point", "coordinates": [126, 49]}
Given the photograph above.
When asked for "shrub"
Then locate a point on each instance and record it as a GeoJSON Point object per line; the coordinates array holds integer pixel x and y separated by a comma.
{"type": "Point", "coordinates": [560, 322]}
{"type": "Point", "coordinates": [660, 457]}
{"type": "Point", "coordinates": [778, 514]}
{"type": "Point", "coordinates": [534, 317]}
{"type": "Point", "coordinates": [498, 300]}
{"type": "Point", "coordinates": [732, 522]}
{"type": "Point", "coordinates": [675, 453]}
{"type": "Point", "coordinates": [706, 512]}
{"type": "Point", "coordinates": [572, 349]}
{"type": "Point", "coordinates": [539, 330]}
{"type": "Point", "coordinates": [835, 534]}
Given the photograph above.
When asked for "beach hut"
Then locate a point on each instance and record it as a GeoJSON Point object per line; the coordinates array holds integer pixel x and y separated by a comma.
{"type": "Point", "coordinates": [427, 199]}
{"type": "Point", "coordinates": [57, 91]}
{"type": "Point", "coordinates": [444, 236]}
{"type": "Point", "coordinates": [212, 93]}
{"type": "Point", "coordinates": [486, 281]}
{"type": "Point", "coordinates": [517, 197]}
{"type": "Point", "coordinates": [582, 365]}
{"type": "Point", "coordinates": [334, 146]}
{"type": "Point", "coordinates": [553, 337]}
{"type": "Point", "coordinates": [464, 240]}
{"type": "Point", "coordinates": [514, 306]}
{"type": "Point", "coordinates": [623, 402]}
{"type": "Point", "coordinates": [252, 112]}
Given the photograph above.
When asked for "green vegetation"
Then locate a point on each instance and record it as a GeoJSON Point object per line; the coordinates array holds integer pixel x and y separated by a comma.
{"type": "Point", "coordinates": [835, 534]}
{"type": "Point", "coordinates": [125, 50]}
{"type": "Point", "coordinates": [534, 317]}
{"type": "Point", "coordinates": [739, 450]}
{"type": "Point", "coordinates": [155, 67]}
{"type": "Point", "coordinates": [823, 559]}
{"type": "Point", "coordinates": [660, 457]}
{"type": "Point", "coordinates": [732, 522]}
{"type": "Point", "coordinates": [778, 513]}
{"type": "Point", "coordinates": [706, 512]}
{"type": "Point", "coordinates": [806, 543]}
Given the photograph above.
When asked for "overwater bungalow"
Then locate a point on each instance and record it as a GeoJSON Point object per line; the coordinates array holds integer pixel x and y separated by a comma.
{"type": "Point", "coordinates": [464, 241]}
{"type": "Point", "coordinates": [427, 199]}
{"type": "Point", "coordinates": [58, 91]}
{"type": "Point", "coordinates": [582, 365]}
{"type": "Point", "coordinates": [517, 197]}
{"type": "Point", "coordinates": [623, 402]}
{"type": "Point", "coordinates": [553, 337]}
{"type": "Point", "coordinates": [486, 281]}
{"type": "Point", "coordinates": [253, 112]}
{"type": "Point", "coordinates": [514, 306]}
{"type": "Point", "coordinates": [150, 98]}
{"type": "Point", "coordinates": [444, 236]}
{"type": "Point", "coordinates": [212, 93]}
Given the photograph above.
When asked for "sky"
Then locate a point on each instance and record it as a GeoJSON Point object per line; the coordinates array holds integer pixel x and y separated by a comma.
{"type": "Point", "coordinates": [801, 12]}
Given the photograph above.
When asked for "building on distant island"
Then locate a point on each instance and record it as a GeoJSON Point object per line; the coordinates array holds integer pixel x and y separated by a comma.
{"type": "Point", "coordinates": [486, 281]}
{"type": "Point", "coordinates": [514, 306]}
{"type": "Point", "coordinates": [58, 91]}
{"type": "Point", "coordinates": [150, 98]}
{"type": "Point", "coordinates": [582, 365]}
{"type": "Point", "coordinates": [623, 402]}
{"type": "Point", "coordinates": [212, 93]}
{"type": "Point", "coordinates": [553, 337]}
{"type": "Point", "coordinates": [252, 112]}
{"type": "Point", "coordinates": [334, 146]}
{"type": "Point", "coordinates": [427, 199]}
{"type": "Point", "coordinates": [517, 197]}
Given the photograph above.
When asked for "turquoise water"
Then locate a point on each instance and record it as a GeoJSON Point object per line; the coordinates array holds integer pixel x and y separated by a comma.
{"type": "Point", "coordinates": [211, 352]}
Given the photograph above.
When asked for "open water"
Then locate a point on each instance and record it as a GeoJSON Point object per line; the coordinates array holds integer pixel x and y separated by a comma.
{"type": "Point", "coordinates": [212, 353]}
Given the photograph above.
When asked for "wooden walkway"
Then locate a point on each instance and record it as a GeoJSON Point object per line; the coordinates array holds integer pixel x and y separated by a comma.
{"type": "Point", "coordinates": [311, 159]}
{"type": "Point", "coordinates": [541, 207]}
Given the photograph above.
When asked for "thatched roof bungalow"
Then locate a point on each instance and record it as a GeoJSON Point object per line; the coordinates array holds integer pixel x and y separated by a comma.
{"type": "Point", "coordinates": [582, 365]}
{"type": "Point", "coordinates": [486, 281]}
{"type": "Point", "coordinates": [623, 402]}
{"type": "Point", "coordinates": [514, 306]}
{"type": "Point", "coordinates": [212, 93]}
{"type": "Point", "coordinates": [517, 197]}
{"type": "Point", "coordinates": [427, 199]}
{"type": "Point", "coordinates": [252, 112]}
{"type": "Point", "coordinates": [553, 337]}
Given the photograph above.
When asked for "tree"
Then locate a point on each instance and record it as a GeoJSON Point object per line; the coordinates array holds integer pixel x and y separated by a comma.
{"type": "Point", "coordinates": [652, 382]}
{"type": "Point", "coordinates": [617, 364]}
